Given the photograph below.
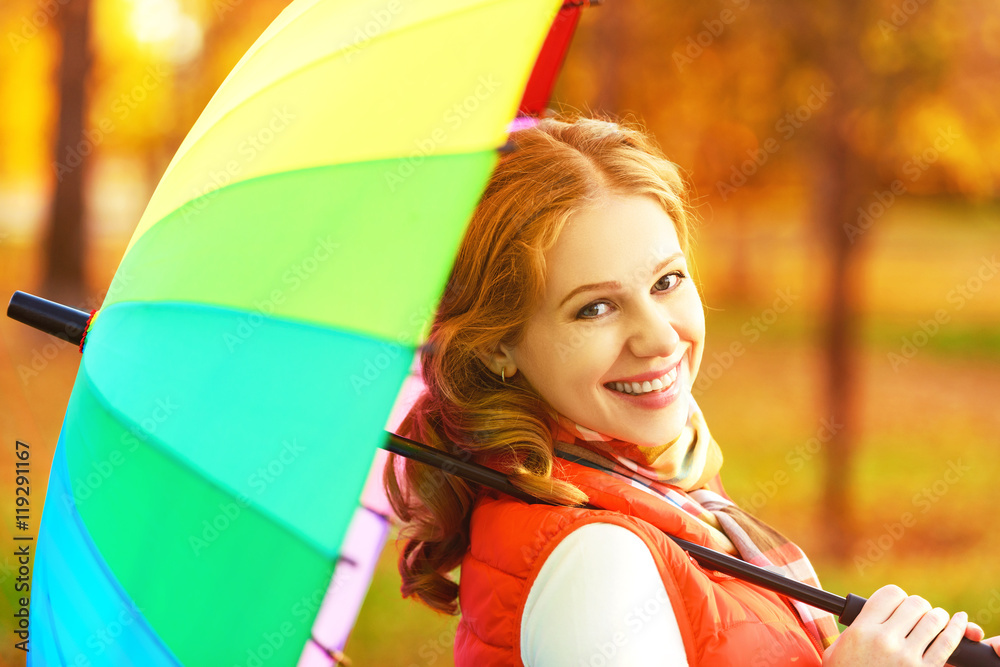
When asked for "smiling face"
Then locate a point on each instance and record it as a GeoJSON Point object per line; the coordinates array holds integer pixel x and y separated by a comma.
{"type": "Point", "coordinates": [617, 339]}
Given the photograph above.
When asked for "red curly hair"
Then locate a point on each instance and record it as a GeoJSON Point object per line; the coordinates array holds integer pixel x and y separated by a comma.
{"type": "Point", "coordinates": [556, 169]}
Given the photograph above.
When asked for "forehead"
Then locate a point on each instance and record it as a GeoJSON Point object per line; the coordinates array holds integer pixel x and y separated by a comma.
{"type": "Point", "coordinates": [621, 238]}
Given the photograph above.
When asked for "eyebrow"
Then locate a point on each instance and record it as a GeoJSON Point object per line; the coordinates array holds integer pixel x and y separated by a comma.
{"type": "Point", "coordinates": [614, 284]}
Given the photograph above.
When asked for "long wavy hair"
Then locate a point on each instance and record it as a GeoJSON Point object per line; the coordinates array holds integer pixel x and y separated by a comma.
{"type": "Point", "coordinates": [557, 168]}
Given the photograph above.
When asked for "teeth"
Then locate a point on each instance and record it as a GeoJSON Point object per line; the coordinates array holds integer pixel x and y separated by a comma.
{"type": "Point", "coordinates": [645, 387]}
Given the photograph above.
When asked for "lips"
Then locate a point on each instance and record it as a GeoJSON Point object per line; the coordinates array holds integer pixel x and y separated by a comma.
{"type": "Point", "coordinates": [652, 382]}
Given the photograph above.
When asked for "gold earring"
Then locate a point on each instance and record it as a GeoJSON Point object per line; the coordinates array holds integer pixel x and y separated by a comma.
{"type": "Point", "coordinates": [503, 377]}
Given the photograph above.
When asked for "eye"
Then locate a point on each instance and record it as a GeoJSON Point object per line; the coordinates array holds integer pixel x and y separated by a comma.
{"type": "Point", "coordinates": [669, 281]}
{"type": "Point", "coordinates": [593, 310]}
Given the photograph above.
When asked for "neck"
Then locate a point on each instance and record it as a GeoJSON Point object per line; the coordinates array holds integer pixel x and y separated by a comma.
{"type": "Point", "coordinates": [688, 462]}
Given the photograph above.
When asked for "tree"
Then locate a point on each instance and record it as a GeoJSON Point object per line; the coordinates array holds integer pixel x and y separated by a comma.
{"type": "Point", "coordinates": [64, 278]}
{"type": "Point", "coordinates": [832, 95]}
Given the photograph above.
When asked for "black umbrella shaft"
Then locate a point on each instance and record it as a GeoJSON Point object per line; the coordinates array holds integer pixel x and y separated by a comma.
{"type": "Point", "coordinates": [714, 560]}
{"type": "Point", "coordinates": [709, 558]}
{"type": "Point", "coordinates": [968, 653]}
{"type": "Point", "coordinates": [453, 465]}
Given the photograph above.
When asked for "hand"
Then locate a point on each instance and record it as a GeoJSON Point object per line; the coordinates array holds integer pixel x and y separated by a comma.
{"type": "Point", "coordinates": [896, 629]}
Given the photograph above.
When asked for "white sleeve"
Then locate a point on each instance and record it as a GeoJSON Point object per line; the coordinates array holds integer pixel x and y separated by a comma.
{"type": "Point", "coordinates": [599, 600]}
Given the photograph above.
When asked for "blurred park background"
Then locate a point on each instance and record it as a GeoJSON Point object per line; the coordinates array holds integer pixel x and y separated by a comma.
{"type": "Point", "coordinates": [844, 159]}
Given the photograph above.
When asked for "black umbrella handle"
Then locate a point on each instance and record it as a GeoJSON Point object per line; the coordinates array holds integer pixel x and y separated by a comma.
{"type": "Point", "coordinates": [968, 653]}
{"type": "Point", "coordinates": [53, 318]}
{"type": "Point", "coordinates": [852, 607]}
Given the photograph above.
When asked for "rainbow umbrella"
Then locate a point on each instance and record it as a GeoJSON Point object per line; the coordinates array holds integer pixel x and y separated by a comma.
{"type": "Point", "coordinates": [235, 382]}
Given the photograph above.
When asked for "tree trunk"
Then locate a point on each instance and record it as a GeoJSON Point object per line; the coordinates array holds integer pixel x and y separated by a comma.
{"type": "Point", "coordinates": [64, 278]}
{"type": "Point", "coordinates": [841, 190]}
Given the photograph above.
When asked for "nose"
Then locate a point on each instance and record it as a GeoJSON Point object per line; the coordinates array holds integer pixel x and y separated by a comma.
{"type": "Point", "coordinates": [653, 333]}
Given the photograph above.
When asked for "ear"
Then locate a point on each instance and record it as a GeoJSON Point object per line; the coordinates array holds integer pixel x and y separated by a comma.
{"type": "Point", "coordinates": [500, 358]}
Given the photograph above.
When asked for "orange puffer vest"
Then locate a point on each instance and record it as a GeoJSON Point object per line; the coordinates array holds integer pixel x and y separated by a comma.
{"type": "Point", "coordinates": [722, 620]}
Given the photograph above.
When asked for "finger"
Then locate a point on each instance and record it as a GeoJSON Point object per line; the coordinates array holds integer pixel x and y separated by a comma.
{"type": "Point", "coordinates": [946, 643]}
{"type": "Point", "coordinates": [994, 642]}
{"type": "Point", "coordinates": [927, 628]}
{"type": "Point", "coordinates": [881, 604]}
{"type": "Point", "coordinates": [906, 616]}
{"type": "Point", "coordinates": [974, 632]}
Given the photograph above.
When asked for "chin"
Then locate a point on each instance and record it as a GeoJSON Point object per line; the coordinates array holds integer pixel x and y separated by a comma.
{"type": "Point", "coordinates": [668, 432]}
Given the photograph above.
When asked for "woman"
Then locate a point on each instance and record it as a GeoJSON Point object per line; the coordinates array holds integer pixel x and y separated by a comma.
{"type": "Point", "coordinates": [563, 354]}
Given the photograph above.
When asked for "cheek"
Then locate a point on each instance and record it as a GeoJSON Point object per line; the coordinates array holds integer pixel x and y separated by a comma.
{"type": "Point", "coordinates": [568, 361]}
{"type": "Point", "coordinates": [697, 324]}
{"type": "Point", "coordinates": [592, 351]}
{"type": "Point", "coordinates": [694, 329]}
{"type": "Point", "coordinates": [695, 312]}
{"type": "Point", "coordinates": [543, 357]}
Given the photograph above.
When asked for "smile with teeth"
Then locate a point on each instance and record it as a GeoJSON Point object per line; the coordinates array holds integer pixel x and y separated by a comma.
{"type": "Point", "coordinates": [658, 384]}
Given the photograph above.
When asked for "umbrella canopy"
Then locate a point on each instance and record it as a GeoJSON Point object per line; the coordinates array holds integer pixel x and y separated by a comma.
{"type": "Point", "coordinates": [236, 380]}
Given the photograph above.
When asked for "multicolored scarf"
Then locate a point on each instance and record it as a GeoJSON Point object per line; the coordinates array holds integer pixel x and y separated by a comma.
{"type": "Point", "coordinates": [685, 473]}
